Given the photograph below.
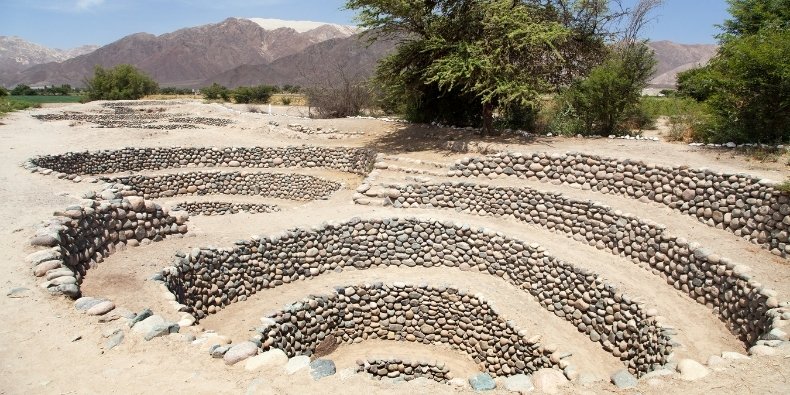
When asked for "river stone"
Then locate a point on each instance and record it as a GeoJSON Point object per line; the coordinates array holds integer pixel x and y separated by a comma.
{"type": "Point", "coordinates": [44, 241]}
{"type": "Point", "coordinates": [136, 202]}
{"type": "Point", "coordinates": [690, 369]}
{"type": "Point", "coordinates": [519, 383]}
{"type": "Point", "coordinates": [482, 382]}
{"type": "Point", "coordinates": [114, 340]}
{"type": "Point", "coordinates": [18, 293]}
{"type": "Point", "coordinates": [761, 350]}
{"type": "Point", "coordinates": [549, 380]}
{"type": "Point", "coordinates": [101, 308]}
{"type": "Point", "coordinates": [321, 368]}
{"type": "Point", "coordinates": [296, 364]}
{"type": "Point", "coordinates": [70, 290]}
{"type": "Point", "coordinates": [273, 357]}
{"type": "Point", "coordinates": [145, 325]}
{"type": "Point", "coordinates": [623, 379]}
{"type": "Point", "coordinates": [240, 352]}
{"type": "Point", "coordinates": [162, 330]}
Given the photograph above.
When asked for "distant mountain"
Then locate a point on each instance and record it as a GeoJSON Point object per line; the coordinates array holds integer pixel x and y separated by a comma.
{"type": "Point", "coordinates": [188, 56]}
{"type": "Point", "coordinates": [17, 54]}
{"type": "Point", "coordinates": [328, 62]}
{"type": "Point", "coordinates": [252, 51]}
{"type": "Point", "coordinates": [674, 58]}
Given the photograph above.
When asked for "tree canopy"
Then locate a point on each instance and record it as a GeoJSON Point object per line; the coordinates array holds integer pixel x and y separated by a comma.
{"type": "Point", "coordinates": [122, 82]}
{"type": "Point", "coordinates": [747, 84]}
{"type": "Point", "coordinates": [480, 54]}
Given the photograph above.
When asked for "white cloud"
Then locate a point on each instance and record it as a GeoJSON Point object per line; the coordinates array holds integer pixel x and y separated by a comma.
{"type": "Point", "coordinates": [87, 4]}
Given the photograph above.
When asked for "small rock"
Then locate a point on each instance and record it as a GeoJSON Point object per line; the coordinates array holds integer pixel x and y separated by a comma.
{"type": "Point", "coordinates": [218, 351]}
{"type": "Point", "coordinates": [101, 308]}
{"type": "Point", "coordinates": [140, 317]}
{"type": "Point", "coordinates": [321, 368]}
{"type": "Point", "coordinates": [732, 355]}
{"type": "Point", "coordinates": [18, 293]}
{"type": "Point", "coordinates": [145, 325]}
{"type": "Point", "coordinates": [297, 363]}
{"type": "Point", "coordinates": [549, 380]}
{"type": "Point", "coordinates": [240, 352]}
{"type": "Point", "coordinates": [623, 379]}
{"type": "Point", "coordinates": [482, 382]}
{"type": "Point", "coordinates": [162, 330]}
{"type": "Point", "coordinates": [519, 383]}
{"type": "Point", "coordinates": [271, 358]}
{"type": "Point", "coordinates": [114, 340]}
{"type": "Point", "coordinates": [760, 350]}
{"type": "Point", "coordinates": [690, 369]}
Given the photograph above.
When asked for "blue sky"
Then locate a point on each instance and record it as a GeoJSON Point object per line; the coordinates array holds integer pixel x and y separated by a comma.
{"type": "Point", "coordinates": [70, 23]}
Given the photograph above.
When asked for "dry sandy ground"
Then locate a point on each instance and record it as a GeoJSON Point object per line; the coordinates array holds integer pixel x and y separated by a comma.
{"type": "Point", "coordinates": [46, 346]}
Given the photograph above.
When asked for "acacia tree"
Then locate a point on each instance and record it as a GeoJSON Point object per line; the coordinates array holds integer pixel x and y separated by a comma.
{"type": "Point", "coordinates": [486, 54]}
{"type": "Point", "coordinates": [122, 82]}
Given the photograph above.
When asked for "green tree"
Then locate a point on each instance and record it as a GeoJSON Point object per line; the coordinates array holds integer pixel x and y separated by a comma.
{"type": "Point", "coordinates": [122, 82]}
{"type": "Point", "coordinates": [483, 55]}
{"type": "Point", "coordinates": [3, 91]}
{"type": "Point", "coordinates": [746, 85]}
{"type": "Point", "coordinates": [253, 94]}
{"type": "Point", "coordinates": [751, 16]}
{"type": "Point", "coordinates": [23, 90]}
{"type": "Point", "coordinates": [611, 94]}
{"type": "Point", "coordinates": [215, 92]}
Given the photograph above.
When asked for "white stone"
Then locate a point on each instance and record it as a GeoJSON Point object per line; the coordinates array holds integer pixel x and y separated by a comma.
{"type": "Point", "coordinates": [296, 364]}
{"type": "Point", "coordinates": [690, 369]}
{"type": "Point", "coordinates": [271, 358]}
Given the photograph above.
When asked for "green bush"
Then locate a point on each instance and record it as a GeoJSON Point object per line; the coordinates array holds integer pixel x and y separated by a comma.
{"type": "Point", "coordinates": [608, 100]}
{"type": "Point", "coordinates": [253, 94]}
{"type": "Point", "coordinates": [216, 92]}
{"type": "Point", "coordinates": [23, 90]}
{"type": "Point", "coordinates": [8, 105]}
{"type": "Point", "coordinates": [122, 82]}
{"type": "Point", "coordinates": [286, 101]}
{"type": "Point", "coordinates": [3, 91]}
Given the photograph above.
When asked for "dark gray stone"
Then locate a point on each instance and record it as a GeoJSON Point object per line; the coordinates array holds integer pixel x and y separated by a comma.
{"type": "Point", "coordinates": [322, 368]}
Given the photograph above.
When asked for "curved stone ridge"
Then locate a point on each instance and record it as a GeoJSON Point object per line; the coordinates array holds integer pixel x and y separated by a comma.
{"type": "Point", "coordinates": [353, 160]}
{"type": "Point", "coordinates": [274, 185]}
{"type": "Point", "coordinates": [742, 204]}
{"type": "Point", "coordinates": [711, 280]}
{"type": "Point", "coordinates": [406, 370]}
{"type": "Point", "coordinates": [79, 237]}
{"type": "Point", "coordinates": [402, 312]}
{"type": "Point", "coordinates": [209, 279]}
{"type": "Point", "coordinates": [223, 208]}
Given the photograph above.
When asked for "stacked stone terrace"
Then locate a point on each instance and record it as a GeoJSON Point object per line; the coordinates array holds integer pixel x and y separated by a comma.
{"type": "Point", "coordinates": [744, 205]}
{"type": "Point", "coordinates": [619, 324]}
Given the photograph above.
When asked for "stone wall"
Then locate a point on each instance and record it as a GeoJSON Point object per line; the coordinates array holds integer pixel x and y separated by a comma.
{"type": "Point", "coordinates": [402, 312]}
{"type": "Point", "coordinates": [739, 203]}
{"type": "Point", "coordinates": [223, 208]}
{"type": "Point", "coordinates": [709, 279]}
{"type": "Point", "coordinates": [353, 160]}
{"type": "Point", "coordinates": [206, 280]}
{"type": "Point", "coordinates": [80, 237]}
{"type": "Point", "coordinates": [274, 185]}
{"type": "Point", "coordinates": [405, 370]}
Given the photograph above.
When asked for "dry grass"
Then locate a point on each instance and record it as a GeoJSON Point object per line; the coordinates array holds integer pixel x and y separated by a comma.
{"type": "Point", "coordinates": [289, 99]}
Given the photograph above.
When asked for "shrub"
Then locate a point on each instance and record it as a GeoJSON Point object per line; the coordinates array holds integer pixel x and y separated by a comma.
{"type": "Point", "coordinates": [253, 94]}
{"type": "Point", "coordinates": [122, 82]}
{"type": "Point", "coordinates": [3, 91]}
{"type": "Point", "coordinates": [215, 92]}
{"type": "Point", "coordinates": [608, 100]}
{"type": "Point", "coordinates": [23, 90]}
{"type": "Point", "coordinates": [286, 101]}
{"type": "Point", "coordinates": [348, 99]}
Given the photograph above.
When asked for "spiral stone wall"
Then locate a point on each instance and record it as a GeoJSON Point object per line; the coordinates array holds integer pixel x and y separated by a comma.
{"type": "Point", "coordinates": [409, 313]}
{"type": "Point", "coordinates": [739, 203]}
{"type": "Point", "coordinates": [222, 208]}
{"type": "Point", "coordinates": [208, 279]}
{"type": "Point", "coordinates": [709, 279]}
{"type": "Point", "coordinates": [79, 237]}
{"type": "Point", "coordinates": [406, 370]}
{"type": "Point", "coordinates": [274, 185]}
{"type": "Point", "coordinates": [353, 160]}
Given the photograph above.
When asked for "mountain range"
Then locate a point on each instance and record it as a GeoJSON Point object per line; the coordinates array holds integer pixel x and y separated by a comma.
{"type": "Point", "coordinates": [248, 51]}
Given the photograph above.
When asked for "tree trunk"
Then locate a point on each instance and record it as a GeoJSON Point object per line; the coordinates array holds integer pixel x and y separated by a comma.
{"type": "Point", "coordinates": [488, 119]}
